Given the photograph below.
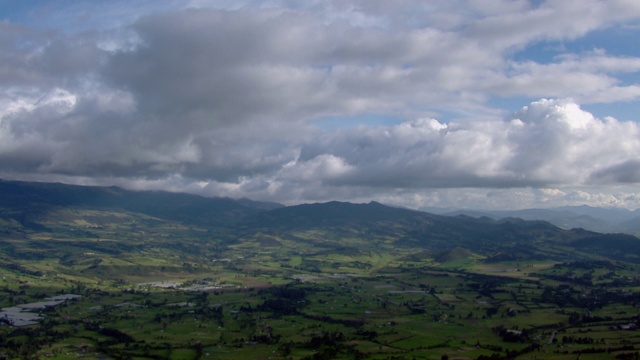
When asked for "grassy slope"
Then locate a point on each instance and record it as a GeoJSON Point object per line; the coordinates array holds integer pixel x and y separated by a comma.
{"type": "Point", "coordinates": [425, 285]}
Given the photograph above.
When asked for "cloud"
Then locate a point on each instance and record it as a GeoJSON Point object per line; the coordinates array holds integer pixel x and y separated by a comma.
{"type": "Point", "coordinates": [548, 142]}
{"type": "Point", "coordinates": [625, 171]}
{"type": "Point", "coordinates": [551, 20]}
{"type": "Point", "coordinates": [588, 78]}
{"type": "Point", "coordinates": [224, 99]}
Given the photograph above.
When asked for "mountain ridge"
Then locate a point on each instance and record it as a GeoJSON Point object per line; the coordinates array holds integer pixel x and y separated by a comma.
{"type": "Point", "coordinates": [606, 220]}
{"type": "Point", "coordinates": [350, 225]}
{"type": "Point", "coordinates": [190, 208]}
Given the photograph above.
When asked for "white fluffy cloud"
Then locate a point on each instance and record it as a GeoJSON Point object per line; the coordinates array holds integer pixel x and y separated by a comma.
{"type": "Point", "coordinates": [224, 98]}
{"type": "Point", "coordinates": [548, 142]}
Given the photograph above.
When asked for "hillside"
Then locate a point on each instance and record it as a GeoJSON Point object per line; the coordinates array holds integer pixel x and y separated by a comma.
{"type": "Point", "coordinates": [37, 207]}
{"type": "Point", "coordinates": [416, 229]}
{"type": "Point", "coordinates": [151, 272]}
{"type": "Point", "coordinates": [45, 228]}
{"type": "Point", "coordinates": [606, 220]}
{"type": "Point", "coordinates": [25, 201]}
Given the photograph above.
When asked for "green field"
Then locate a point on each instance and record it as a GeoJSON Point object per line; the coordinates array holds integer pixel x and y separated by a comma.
{"type": "Point", "coordinates": [381, 284]}
{"type": "Point", "coordinates": [429, 312]}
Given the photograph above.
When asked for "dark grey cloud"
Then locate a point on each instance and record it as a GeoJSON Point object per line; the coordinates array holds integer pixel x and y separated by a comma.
{"type": "Point", "coordinates": [44, 59]}
{"type": "Point", "coordinates": [236, 66]}
{"type": "Point", "coordinates": [624, 172]}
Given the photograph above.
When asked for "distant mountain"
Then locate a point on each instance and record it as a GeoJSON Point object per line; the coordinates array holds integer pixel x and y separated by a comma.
{"type": "Point", "coordinates": [606, 220]}
{"type": "Point", "coordinates": [346, 228]}
{"type": "Point", "coordinates": [611, 215]}
{"type": "Point", "coordinates": [332, 213]}
{"type": "Point", "coordinates": [616, 246]}
{"type": "Point", "coordinates": [377, 222]}
{"type": "Point", "coordinates": [630, 226]}
{"type": "Point", "coordinates": [30, 199]}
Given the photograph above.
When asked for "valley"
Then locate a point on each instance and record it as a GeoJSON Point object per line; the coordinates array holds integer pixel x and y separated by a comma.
{"type": "Point", "coordinates": [184, 277]}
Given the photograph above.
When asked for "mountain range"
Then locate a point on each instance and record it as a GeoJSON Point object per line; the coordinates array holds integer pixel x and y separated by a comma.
{"type": "Point", "coordinates": [35, 210]}
{"type": "Point", "coordinates": [28, 198]}
{"type": "Point", "coordinates": [606, 220]}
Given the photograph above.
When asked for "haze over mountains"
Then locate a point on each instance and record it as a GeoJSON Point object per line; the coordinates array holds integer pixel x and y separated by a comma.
{"type": "Point", "coordinates": [606, 220]}
{"type": "Point", "coordinates": [32, 197]}
{"type": "Point", "coordinates": [31, 208]}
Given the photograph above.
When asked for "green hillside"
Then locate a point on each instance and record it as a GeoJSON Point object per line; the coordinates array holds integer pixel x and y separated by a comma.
{"type": "Point", "coordinates": [177, 276]}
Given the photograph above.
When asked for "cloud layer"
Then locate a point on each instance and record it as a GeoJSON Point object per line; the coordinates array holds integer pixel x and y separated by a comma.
{"type": "Point", "coordinates": [243, 102]}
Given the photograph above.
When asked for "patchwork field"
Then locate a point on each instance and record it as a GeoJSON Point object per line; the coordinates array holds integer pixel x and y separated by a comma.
{"type": "Point", "coordinates": [323, 281]}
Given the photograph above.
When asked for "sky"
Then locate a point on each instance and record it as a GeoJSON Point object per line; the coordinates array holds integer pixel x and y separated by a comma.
{"type": "Point", "coordinates": [485, 104]}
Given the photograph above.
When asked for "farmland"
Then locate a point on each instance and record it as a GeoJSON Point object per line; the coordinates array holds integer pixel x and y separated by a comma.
{"type": "Point", "coordinates": [424, 312]}
{"type": "Point", "coordinates": [323, 281]}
